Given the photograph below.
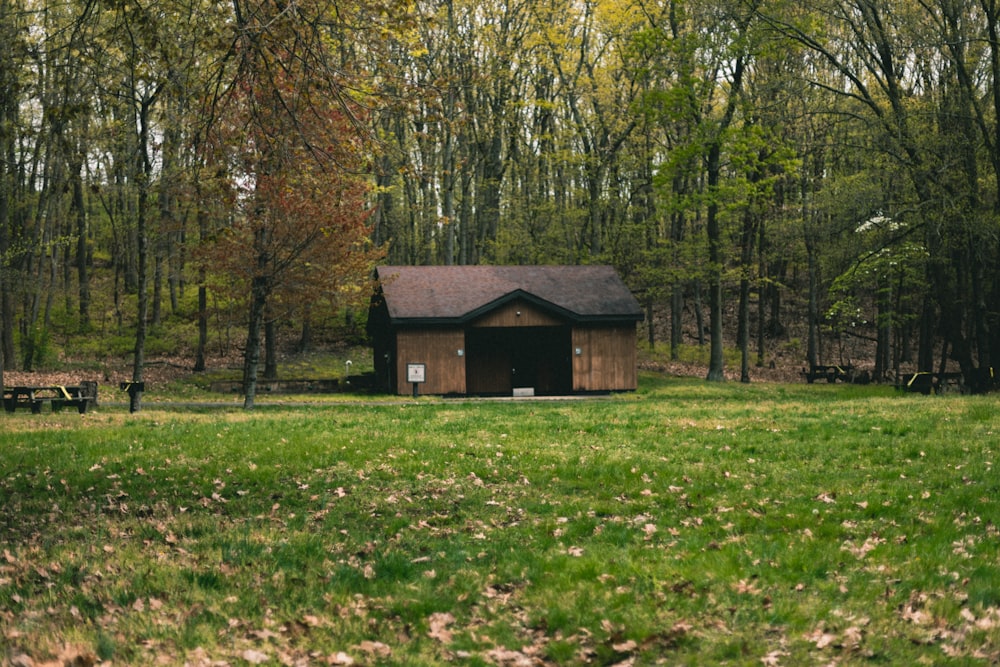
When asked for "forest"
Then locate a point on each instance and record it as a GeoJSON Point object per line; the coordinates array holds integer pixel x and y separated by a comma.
{"type": "Point", "coordinates": [756, 166]}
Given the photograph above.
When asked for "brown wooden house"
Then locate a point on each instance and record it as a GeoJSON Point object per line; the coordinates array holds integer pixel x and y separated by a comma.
{"type": "Point", "coordinates": [503, 330]}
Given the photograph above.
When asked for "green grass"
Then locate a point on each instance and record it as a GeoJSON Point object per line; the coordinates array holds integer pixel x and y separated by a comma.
{"type": "Point", "coordinates": [687, 523]}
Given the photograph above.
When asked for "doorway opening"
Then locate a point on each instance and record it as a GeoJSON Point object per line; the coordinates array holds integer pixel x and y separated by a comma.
{"type": "Point", "coordinates": [503, 359]}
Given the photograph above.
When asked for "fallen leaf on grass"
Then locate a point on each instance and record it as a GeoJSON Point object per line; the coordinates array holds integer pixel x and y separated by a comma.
{"type": "Point", "coordinates": [375, 649]}
{"type": "Point", "coordinates": [821, 638]}
{"type": "Point", "coordinates": [439, 627]}
{"type": "Point", "coordinates": [773, 658]}
{"type": "Point", "coordinates": [853, 637]}
{"type": "Point", "coordinates": [255, 657]}
{"type": "Point", "coordinates": [862, 550]}
{"type": "Point", "coordinates": [72, 656]}
{"type": "Point", "coordinates": [506, 658]}
{"type": "Point", "coordinates": [744, 587]}
{"type": "Point", "coordinates": [18, 659]}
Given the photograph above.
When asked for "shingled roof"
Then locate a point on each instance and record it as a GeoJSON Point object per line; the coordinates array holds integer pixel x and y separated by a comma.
{"type": "Point", "coordinates": [456, 294]}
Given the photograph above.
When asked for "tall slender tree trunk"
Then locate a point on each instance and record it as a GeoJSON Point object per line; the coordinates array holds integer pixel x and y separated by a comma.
{"type": "Point", "coordinates": [270, 348]}
{"type": "Point", "coordinates": [199, 356]}
{"type": "Point", "coordinates": [883, 333]}
{"type": "Point", "coordinates": [747, 238]}
{"type": "Point", "coordinates": [763, 291]}
{"type": "Point", "coordinates": [8, 111]}
{"type": "Point", "coordinates": [259, 290]}
{"type": "Point", "coordinates": [812, 309]}
{"type": "Point", "coordinates": [200, 363]}
{"type": "Point", "coordinates": [142, 244]}
{"type": "Point", "coordinates": [82, 255]}
{"type": "Point", "coordinates": [4, 221]}
{"type": "Point", "coordinates": [716, 359]}
{"type": "Point", "coordinates": [306, 333]}
{"type": "Point", "coordinates": [677, 223]}
{"type": "Point", "coordinates": [157, 317]}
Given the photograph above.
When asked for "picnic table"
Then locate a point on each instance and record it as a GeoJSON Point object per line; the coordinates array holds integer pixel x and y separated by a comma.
{"type": "Point", "coordinates": [925, 382]}
{"type": "Point", "coordinates": [830, 373]}
{"type": "Point", "coordinates": [82, 396]}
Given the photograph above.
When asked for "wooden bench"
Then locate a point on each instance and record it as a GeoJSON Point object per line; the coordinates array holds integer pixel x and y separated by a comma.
{"type": "Point", "coordinates": [82, 397]}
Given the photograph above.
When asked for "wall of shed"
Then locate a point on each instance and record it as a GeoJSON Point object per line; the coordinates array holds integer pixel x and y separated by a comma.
{"type": "Point", "coordinates": [517, 313]}
{"type": "Point", "coordinates": [607, 360]}
{"type": "Point", "coordinates": [438, 350]}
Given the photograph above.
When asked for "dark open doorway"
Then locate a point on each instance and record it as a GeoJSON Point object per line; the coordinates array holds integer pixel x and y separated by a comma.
{"type": "Point", "coordinates": [502, 359]}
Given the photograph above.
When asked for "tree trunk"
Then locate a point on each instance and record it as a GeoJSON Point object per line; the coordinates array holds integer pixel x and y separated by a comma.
{"type": "Point", "coordinates": [7, 111]}
{"type": "Point", "coordinates": [4, 215]}
{"type": "Point", "coordinates": [306, 335]}
{"type": "Point", "coordinates": [200, 350]}
{"type": "Point", "coordinates": [716, 360]}
{"type": "Point", "coordinates": [676, 319]}
{"type": "Point", "coordinates": [259, 291]}
{"type": "Point", "coordinates": [747, 238]}
{"type": "Point", "coordinates": [925, 335]}
{"type": "Point", "coordinates": [142, 244]}
{"type": "Point", "coordinates": [812, 310]}
{"type": "Point", "coordinates": [883, 334]}
{"type": "Point", "coordinates": [199, 356]}
{"type": "Point", "coordinates": [82, 273]}
{"type": "Point", "coordinates": [763, 292]}
{"type": "Point", "coordinates": [158, 285]}
{"type": "Point", "coordinates": [270, 349]}
{"type": "Point", "coordinates": [650, 328]}
{"type": "Point", "coordinates": [677, 223]}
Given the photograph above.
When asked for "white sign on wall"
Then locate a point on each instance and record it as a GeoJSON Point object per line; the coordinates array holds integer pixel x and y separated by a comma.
{"type": "Point", "coordinates": [416, 373]}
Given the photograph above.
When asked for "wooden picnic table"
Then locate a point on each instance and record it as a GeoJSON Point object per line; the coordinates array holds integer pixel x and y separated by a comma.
{"type": "Point", "coordinates": [926, 383]}
{"type": "Point", "coordinates": [82, 397]}
{"type": "Point", "coordinates": [830, 373]}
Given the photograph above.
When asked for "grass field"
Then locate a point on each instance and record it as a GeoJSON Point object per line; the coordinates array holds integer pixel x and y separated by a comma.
{"type": "Point", "coordinates": [688, 523]}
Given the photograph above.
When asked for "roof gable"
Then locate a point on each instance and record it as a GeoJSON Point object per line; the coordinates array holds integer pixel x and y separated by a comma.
{"type": "Point", "coordinates": [456, 294]}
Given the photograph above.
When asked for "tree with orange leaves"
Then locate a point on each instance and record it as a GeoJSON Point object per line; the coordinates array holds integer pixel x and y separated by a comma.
{"type": "Point", "coordinates": [292, 135]}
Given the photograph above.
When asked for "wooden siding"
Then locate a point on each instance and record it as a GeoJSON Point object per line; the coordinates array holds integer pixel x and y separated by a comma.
{"type": "Point", "coordinates": [438, 350]}
{"type": "Point", "coordinates": [607, 359]}
{"type": "Point", "coordinates": [517, 313]}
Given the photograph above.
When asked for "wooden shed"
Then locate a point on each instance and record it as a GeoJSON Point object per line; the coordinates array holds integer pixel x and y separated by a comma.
{"type": "Point", "coordinates": [503, 330]}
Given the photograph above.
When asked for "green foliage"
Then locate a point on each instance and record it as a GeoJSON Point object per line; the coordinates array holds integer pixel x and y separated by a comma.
{"type": "Point", "coordinates": [36, 347]}
{"type": "Point", "coordinates": [888, 278]}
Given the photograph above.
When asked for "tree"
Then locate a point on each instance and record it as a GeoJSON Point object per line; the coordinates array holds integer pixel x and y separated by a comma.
{"type": "Point", "coordinates": [294, 137]}
{"type": "Point", "coordinates": [11, 62]}
{"type": "Point", "coordinates": [706, 70]}
{"type": "Point", "coordinates": [905, 84]}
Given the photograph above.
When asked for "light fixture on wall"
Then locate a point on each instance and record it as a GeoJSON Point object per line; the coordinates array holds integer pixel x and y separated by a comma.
{"type": "Point", "coordinates": [461, 352]}
{"type": "Point", "coordinates": [578, 351]}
